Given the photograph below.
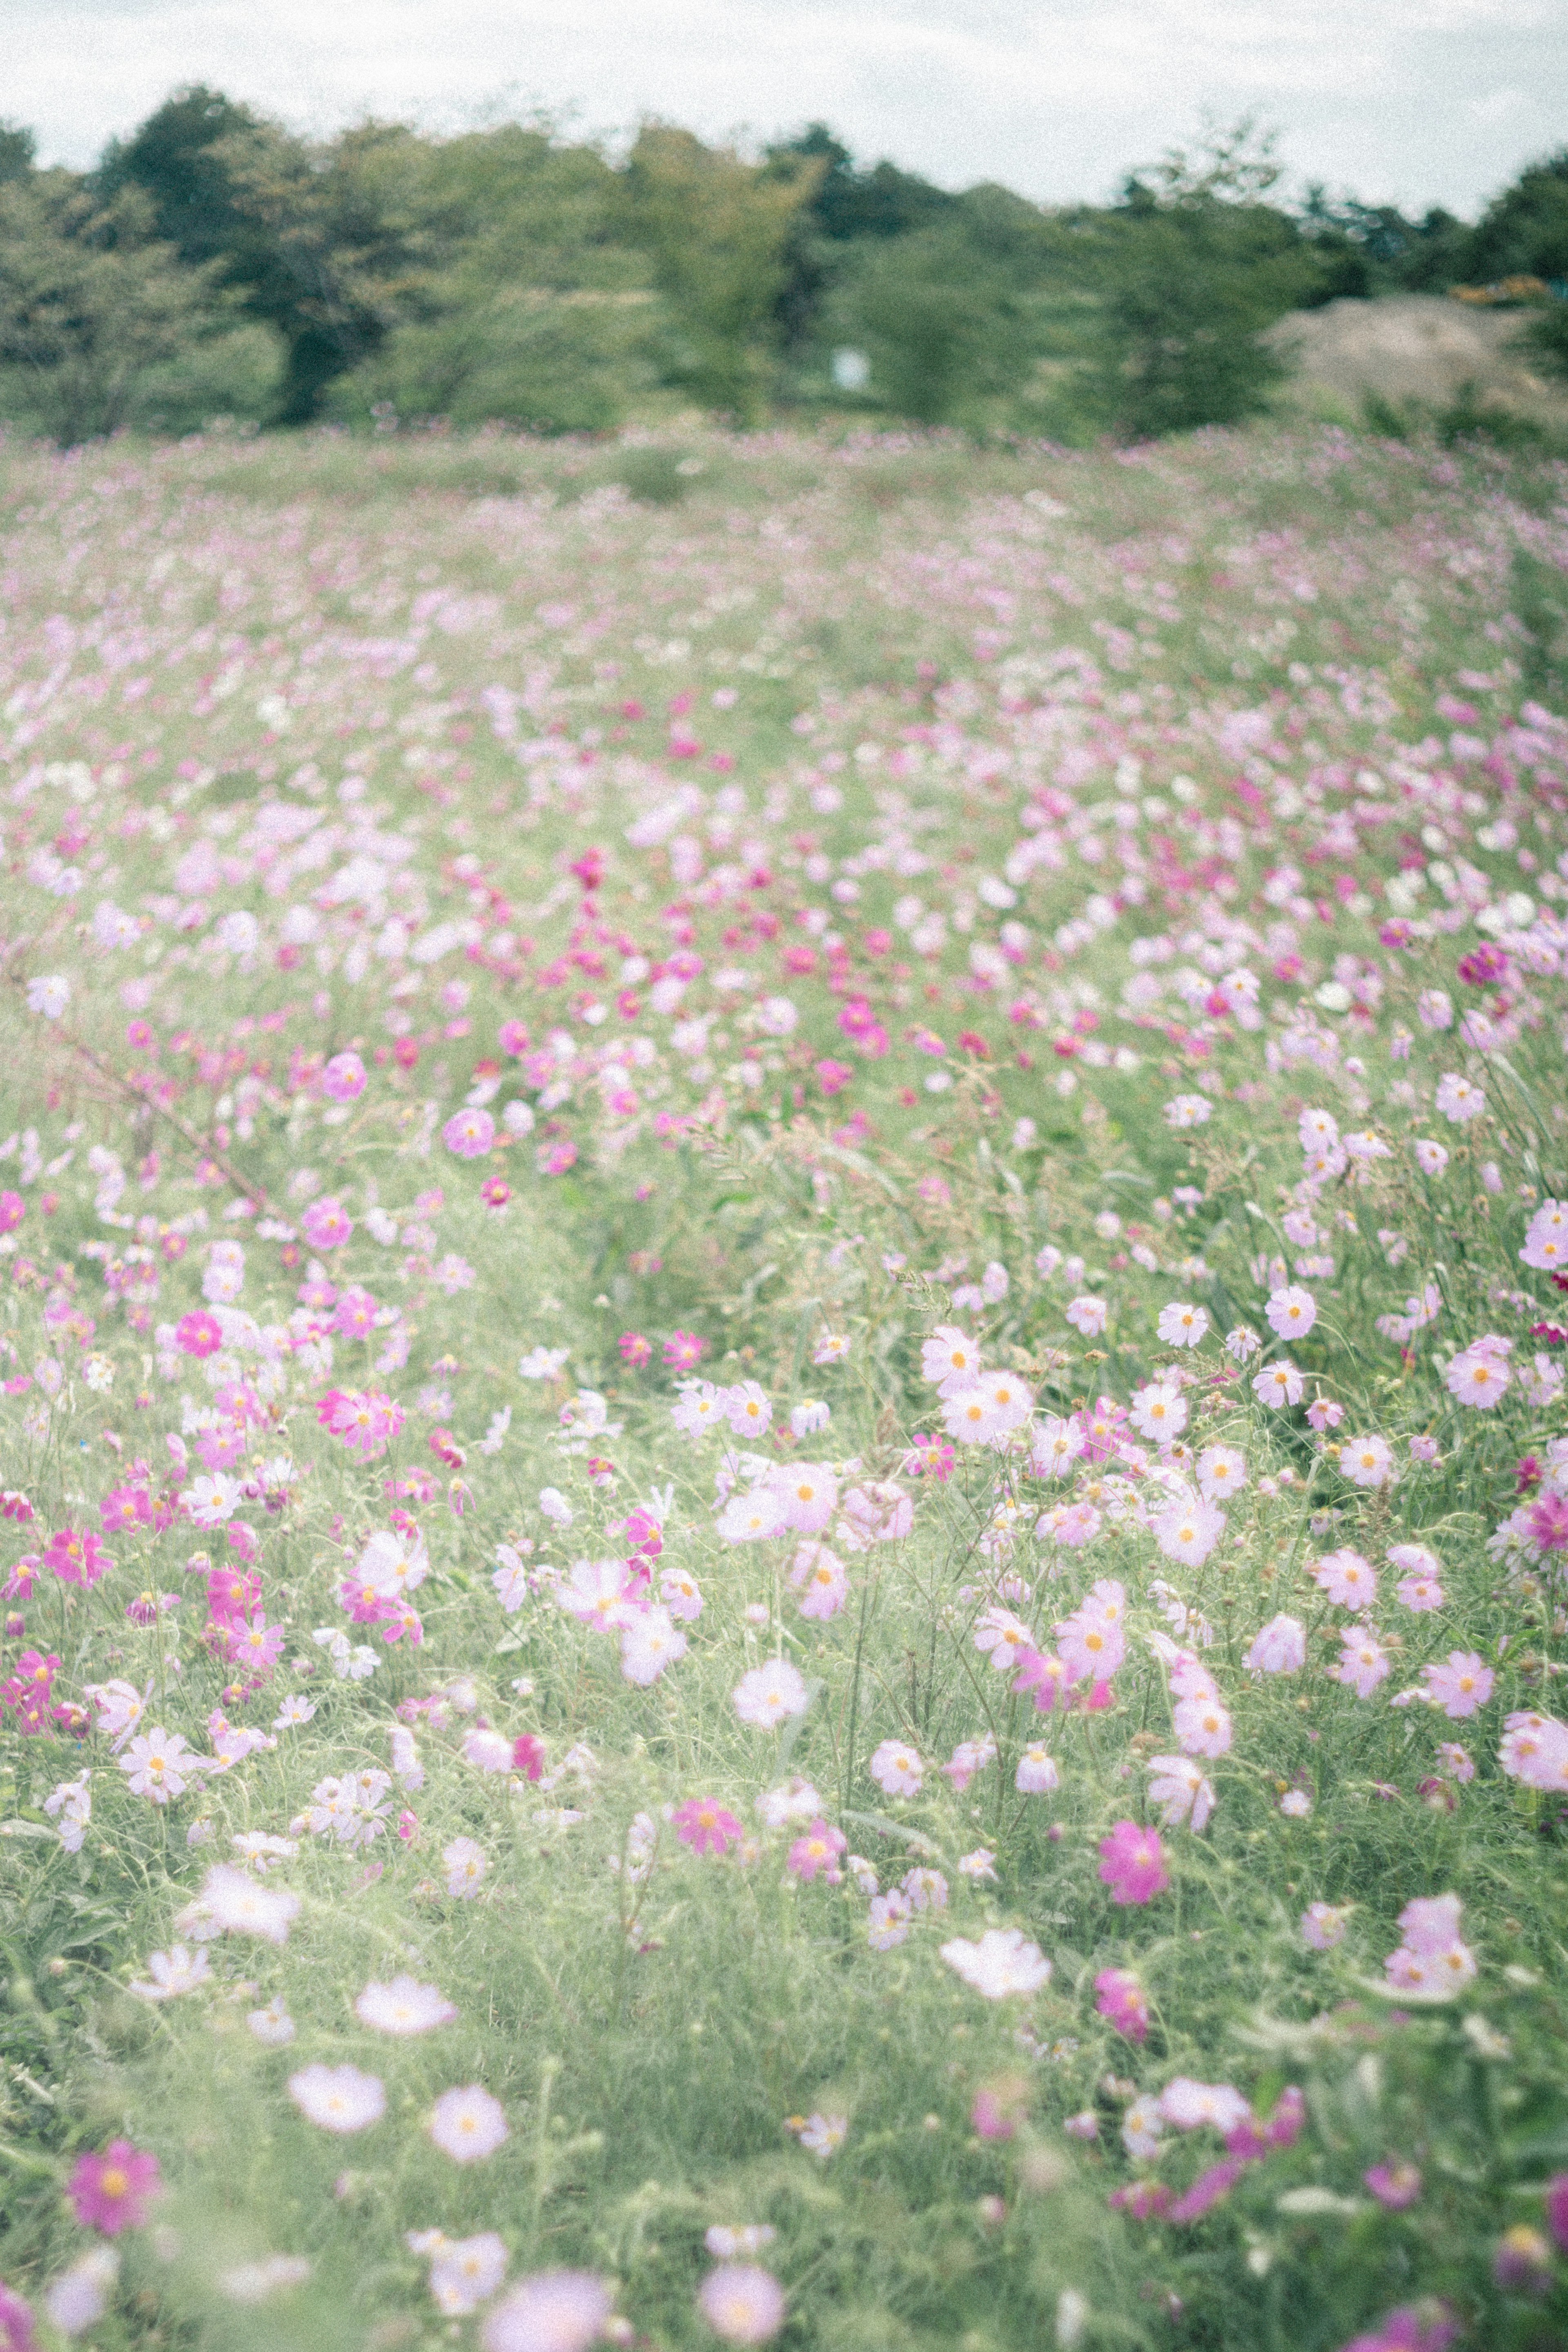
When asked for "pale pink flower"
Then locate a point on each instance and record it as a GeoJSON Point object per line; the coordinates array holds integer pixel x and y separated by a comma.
{"type": "Point", "coordinates": [554, 2311]}
{"type": "Point", "coordinates": [896, 1769]}
{"type": "Point", "coordinates": [1323, 1925]}
{"type": "Point", "coordinates": [742, 2304]}
{"type": "Point", "coordinates": [1182, 1326]}
{"type": "Point", "coordinates": [1279, 1384]}
{"type": "Point", "coordinates": [1362, 1662]}
{"type": "Point", "coordinates": [1202, 1728]}
{"type": "Point", "coordinates": [1003, 1638]}
{"type": "Point", "coordinates": [650, 1642]}
{"type": "Point", "coordinates": [1003, 1962]}
{"type": "Point", "coordinates": [338, 2098]}
{"type": "Point", "coordinates": [818, 1575]}
{"type": "Point", "coordinates": [1037, 1774]}
{"type": "Point", "coordinates": [1280, 1649]}
{"type": "Point", "coordinates": [811, 1495]}
{"type": "Point", "coordinates": [1087, 1316]}
{"type": "Point", "coordinates": [1222, 1471]}
{"type": "Point", "coordinates": [1159, 1410]}
{"type": "Point", "coordinates": [746, 1409]}
{"type": "Point", "coordinates": [1292, 1312]}
{"type": "Point", "coordinates": [466, 2273]}
{"type": "Point", "coordinates": [950, 1359]}
{"type": "Point", "coordinates": [1479, 1375]}
{"type": "Point", "coordinates": [1188, 1532]}
{"type": "Point", "coordinates": [468, 2125]}
{"type": "Point", "coordinates": [1461, 1684]}
{"type": "Point", "coordinates": [1092, 1642]}
{"type": "Point", "coordinates": [1534, 1749]}
{"type": "Point", "coordinates": [1350, 1581]}
{"type": "Point", "coordinates": [1366, 1461]}
{"type": "Point", "coordinates": [465, 1864]}
{"type": "Point", "coordinates": [755, 1517]}
{"type": "Point", "coordinates": [405, 2006]}
{"type": "Point", "coordinates": [1187, 2106]}
{"type": "Point", "coordinates": [1181, 1793]}
{"type": "Point", "coordinates": [1459, 1100]}
{"type": "Point", "coordinates": [1430, 1158]}
{"type": "Point", "coordinates": [770, 1694]}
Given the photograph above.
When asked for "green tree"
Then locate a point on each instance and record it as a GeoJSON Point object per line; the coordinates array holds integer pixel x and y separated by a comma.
{"type": "Point", "coordinates": [946, 326]}
{"type": "Point", "coordinates": [98, 317]}
{"type": "Point", "coordinates": [1190, 267]}
{"type": "Point", "coordinates": [1523, 232]}
{"type": "Point", "coordinates": [18, 149]}
{"type": "Point", "coordinates": [717, 233]}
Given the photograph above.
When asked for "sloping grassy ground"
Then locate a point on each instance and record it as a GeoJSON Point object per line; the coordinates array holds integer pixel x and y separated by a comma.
{"type": "Point", "coordinates": [538, 978]}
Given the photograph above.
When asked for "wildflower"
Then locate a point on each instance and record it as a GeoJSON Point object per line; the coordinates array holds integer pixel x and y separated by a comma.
{"type": "Point", "coordinates": [1159, 1410]}
{"type": "Point", "coordinates": [466, 2273]}
{"type": "Point", "coordinates": [1189, 2105]}
{"type": "Point", "coordinates": [683, 1350]}
{"type": "Point", "coordinates": [78, 1560]}
{"type": "Point", "coordinates": [1395, 2187]}
{"type": "Point", "coordinates": [79, 2296]}
{"type": "Point", "coordinates": [1120, 1999]}
{"type": "Point", "coordinates": [1202, 1728]}
{"type": "Point", "coordinates": [1362, 1662]}
{"type": "Point", "coordinates": [1087, 1316]}
{"type": "Point", "coordinates": [1002, 1963]}
{"type": "Point", "coordinates": [818, 1850]}
{"type": "Point", "coordinates": [822, 2136]}
{"type": "Point", "coordinates": [1292, 1312]}
{"type": "Point", "coordinates": [1182, 1326]}
{"type": "Point", "coordinates": [112, 2192]}
{"type": "Point", "coordinates": [896, 1769]}
{"type": "Point", "coordinates": [702, 1823]}
{"type": "Point", "coordinates": [742, 2304]}
{"type": "Point", "coordinates": [650, 1642]}
{"type": "Point", "coordinates": [1092, 1640]}
{"type": "Point", "coordinates": [1188, 1532]}
{"type": "Point", "coordinates": [468, 2125]}
{"type": "Point", "coordinates": [1432, 1964]}
{"type": "Point", "coordinates": [1460, 1686]}
{"type": "Point", "coordinates": [1279, 1384]}
{"type": "Point", "coordinates": [338, 2098]}
{"type": "Point", "coordinates": [1181, 1791]}
{"type": "Point", "coordinates": [1349, 1580]}
{"type": "Point", "coordinates": [1037, 1774]}
{"type": "Point", "coordinates": [272, 2026]}
{"type": "Point", "coordinates": [1478, 1375]}
{"type": "Point", "coordinates": [174, 1972]}
{"type": "Point", "coordinates": [465, 1864]}
{"type": "Point", "coordinates": [1459, 1100]}
{"type": "Point", "coordinates": [344, 1079]}
{"type": "Point", "coordinates": [769, 1693]}
{"type": "Point", "coordinates": [402, 2007]}
{"type": "Point", "coordinates": [1133, 1863]}
{"type": "Point", "coordinates": [553, 2311]}
{"type": "Point", "coordinates": [158, 1764]}
{"type": "Point", "coordinates": [1143, 2126]}
{"type": "Point", "coordinates": [49, 995]}
{"type": "Point", "coordinates": [1188, 1110]}
{"type": "Point", "coordinates": [17, 2323]}
{"type": "Point", "coordinates": [1280, 1649]}
{"type": "Point", "coordinates": [1323, 1925]}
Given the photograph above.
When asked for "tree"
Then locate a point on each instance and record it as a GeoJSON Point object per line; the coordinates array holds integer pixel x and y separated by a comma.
{"type": "Point", "coordinates": [1524, 233]}
{"type": "Point", "coordinates": [716, 231]}
{"type": "Point", "coordinates": [1191, 267]}
{"type": "Point", "coordinates": [18, 148]}
{"type": "Point", "coordinates": [95, 312]}
{"type": "Point", "coordinates": [945, 327]}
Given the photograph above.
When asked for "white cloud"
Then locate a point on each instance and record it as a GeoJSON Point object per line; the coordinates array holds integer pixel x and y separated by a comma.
{"type": "Point", "coordinates": [1056, 98]}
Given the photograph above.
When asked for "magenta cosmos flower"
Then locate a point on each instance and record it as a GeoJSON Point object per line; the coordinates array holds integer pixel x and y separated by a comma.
{"type": "Point", "coordinates": [1120, 1999]}
{"type": "Point", "coordinates": [112, 2192]}
{"type": "Point", "coordinates": [702, 1823]}
{"type": "Point", "coordinates": [200, 1334]}
{"type": "Point", "coordinates": [1133, 1863]}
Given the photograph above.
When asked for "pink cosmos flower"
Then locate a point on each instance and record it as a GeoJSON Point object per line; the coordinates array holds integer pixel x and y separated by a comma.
{"type": "Point", "coordinates": [742, 2303]}
{"type": "Point", "coordinates": [1188, 1532]}
{"type": "Point", "coordinates": [634, 1349]}
{"type": "Point", "coordinates": [1323, 1925]}
{"type": "Point", "coordinates": [1202, 1728]}
{"type": "Point", "coordinates": [468, 2125]}
{"type": "Point", "coordinates": [1292, 1312]}
{"type": "Point", "coordinates": [1362, 1662]}
{"type": "Point", "coordinates": [365, 1420]}
{"type": "Point", "coordinates": [16, 2330]}
{"type": "Point", "coordinates": [1133, 1863]}
{"type": "Point", "coordinates": [199, 1334]}
{"type": "Point", "coordinates": [112, 2192]}
{"type": "Point", "coordinates": [1280, 1649]}
{"type": "Point", "coordinates": [553, 2311]}
{"type": "Point", "coordinates": [1179, 1788]}
{"type": "Point", "coordinates": [1092, 1640]}
{"type": "Point", "coordinates": [1366, 1461]}
{"type": "Point", "coordinates": [1181, 1325]}
{"type": "Point", "coordinates": [1479, 1375]}
{"type": "Point", "coordinates": [326, 1225]}
{"type": "Point", "coordinates": [1279, 1384]}
{"type": "Point", "coordinates": [1460, 1686]}
{"type": "Point", "coordinates": [76, 1559]}
{"type": "Point", "coordinates": [1088, 1315]}
{"type": "Point", "coordinates": [684, 1350]}
{"type": "Point", "coordinates": [702, 1823]}
{"type": "Point", "coordinates": [895, 1767]}
{"type": "Point", "coordinates": [1395, 2187]}
{"type": "Point", "coordinates": [344, 1079]}
{"type": "Point", "coordinates": [817, 1849]}
{"type": "Point", "coordinates": [1187, 2106]}
{"type": "Point", "coordinates": [1459, 1100]}
{"type": "Point", "coordinates": [1045, 1677]}
{"type": "Point", "coordinates": [818, 1575]}
{"type": "Point", "coordinates": [1350, 1581]}
{"type": "Point", "coordinates": [338, 2098]}
{"type": "Point", "coordinates": [1546, 1522]}
{"type": "Point", "coordinates": [950, 1359]}
{"type": "Point", "coordinates": [470, 1134]}
{"type": "Point", "coordinates": [1119, 1996]}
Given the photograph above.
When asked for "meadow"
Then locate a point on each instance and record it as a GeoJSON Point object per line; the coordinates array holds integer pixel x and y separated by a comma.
{"type": "Point", "coordinates": [783, 1225]}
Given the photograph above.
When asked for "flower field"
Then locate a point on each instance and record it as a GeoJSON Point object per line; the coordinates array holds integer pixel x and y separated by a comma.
{"type": "Point", "coordinates": [783, 1247]}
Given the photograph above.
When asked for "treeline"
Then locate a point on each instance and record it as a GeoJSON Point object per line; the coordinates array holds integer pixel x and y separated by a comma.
{"type": "Point", "coordinates": [213, 263]}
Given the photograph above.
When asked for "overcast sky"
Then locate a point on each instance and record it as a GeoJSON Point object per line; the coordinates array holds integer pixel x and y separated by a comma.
{"type": "Point", "coordinates": [1415, 101]}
